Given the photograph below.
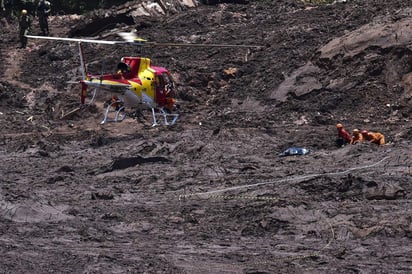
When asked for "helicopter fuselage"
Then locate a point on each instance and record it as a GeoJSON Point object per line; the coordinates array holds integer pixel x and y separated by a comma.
{"type": "Point", "coordinates": [137, 82]}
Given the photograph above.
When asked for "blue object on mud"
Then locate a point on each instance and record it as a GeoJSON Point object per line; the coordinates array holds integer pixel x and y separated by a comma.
{"type": "Point", "coordinates": [295, 151]}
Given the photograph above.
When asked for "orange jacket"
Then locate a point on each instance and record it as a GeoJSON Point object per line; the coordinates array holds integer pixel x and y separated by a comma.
{"type": "Point", "coordinates": [356, 138]}
{"type": "Point", "coordinates": [375, 137]}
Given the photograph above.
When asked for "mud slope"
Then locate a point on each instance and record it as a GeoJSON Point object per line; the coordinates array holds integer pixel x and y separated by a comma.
{"type": "Point", "coordinates": [211, 194]}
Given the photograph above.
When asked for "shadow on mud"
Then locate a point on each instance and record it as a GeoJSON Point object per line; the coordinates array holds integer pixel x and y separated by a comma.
{"type": "Point", "coordinates": [123, 163]}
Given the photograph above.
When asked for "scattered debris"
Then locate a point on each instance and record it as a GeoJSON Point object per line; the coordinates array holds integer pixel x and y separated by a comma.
{"type": "Point", "coordinates": [295, 151]}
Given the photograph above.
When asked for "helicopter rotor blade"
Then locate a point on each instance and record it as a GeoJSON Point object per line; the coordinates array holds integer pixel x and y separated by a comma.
{"type": "Point", "coordinates": [131, 37]}
{"type": "Point", "coordinates": [107, 42]}
{"type": "Point", "coordinates": [73, 82]}
{"type": "Point", "coordinates": [200, 45]}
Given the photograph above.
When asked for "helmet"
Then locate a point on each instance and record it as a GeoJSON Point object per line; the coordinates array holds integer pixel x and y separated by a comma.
{"type": "Point", "coordinates": [339, 126]}
{"type": "Point", "coordinates": [24, 12]}
{"type": "Point", "coordinates": [364, 132]}
{"type": "Point", "coordinates": [356, 131]}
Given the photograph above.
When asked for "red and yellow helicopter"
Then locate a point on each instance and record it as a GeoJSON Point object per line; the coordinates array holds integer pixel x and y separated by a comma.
{"type": "Point", "coordinates": [137, 82]}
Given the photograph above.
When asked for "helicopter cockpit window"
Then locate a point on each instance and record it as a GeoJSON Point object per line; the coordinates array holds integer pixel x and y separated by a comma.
{"type": "Point", "coordinates": [159, 82]}
{"type": "Point", "coordinates": [168, 82]}
{"type": "Point", "coordinates": [164, 83]}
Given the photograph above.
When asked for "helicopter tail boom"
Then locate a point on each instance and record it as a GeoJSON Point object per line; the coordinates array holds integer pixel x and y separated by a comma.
{"type": "Point", "coordinates": [82, 62]}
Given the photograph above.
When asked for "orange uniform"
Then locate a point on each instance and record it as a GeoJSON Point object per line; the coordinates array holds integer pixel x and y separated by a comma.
{"type": "Point", "coordinates": [343, 136]}
{"type": "Point", "coordinates": [374, 137]}
{"type": "Point", "coordinates": [356, 137]}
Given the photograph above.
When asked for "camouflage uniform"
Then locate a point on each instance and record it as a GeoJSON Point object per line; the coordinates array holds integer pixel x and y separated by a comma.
{"type": "Point", "coordinates": [24, 26]}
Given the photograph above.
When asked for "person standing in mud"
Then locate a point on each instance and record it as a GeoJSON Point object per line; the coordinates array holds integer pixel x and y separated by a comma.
{"type": "Point", "coordinates": [43, 12]}
{"type": "Point", "coordinates": [24, 27]}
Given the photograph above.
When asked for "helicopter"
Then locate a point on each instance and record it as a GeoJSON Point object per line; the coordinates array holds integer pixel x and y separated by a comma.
{"type": "Point", "coordinates": [137, 81]}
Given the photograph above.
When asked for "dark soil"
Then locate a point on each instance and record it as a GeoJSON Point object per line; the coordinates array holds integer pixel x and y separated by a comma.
{"type": "Point", "coordinates": [211, 194]}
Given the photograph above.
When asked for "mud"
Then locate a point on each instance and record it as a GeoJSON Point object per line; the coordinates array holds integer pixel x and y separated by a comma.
{"type": "Point", "coordinates": [211, 194]}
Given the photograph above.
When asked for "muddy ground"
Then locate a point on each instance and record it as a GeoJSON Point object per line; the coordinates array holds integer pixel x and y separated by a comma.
{"type": "Point", "coordinates": [211, 194]}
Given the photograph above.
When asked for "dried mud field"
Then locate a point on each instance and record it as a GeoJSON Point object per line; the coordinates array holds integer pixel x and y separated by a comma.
{"type": "Point", "coordinates": [211, 194]}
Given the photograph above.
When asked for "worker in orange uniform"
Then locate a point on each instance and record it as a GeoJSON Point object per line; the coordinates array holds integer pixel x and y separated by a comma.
{"type": "Point", "coordinates": [343, 136]}
{"type": "Point", "coordinates": [373, 137]}
{"type": "Point", "coordinates": [356, 137]}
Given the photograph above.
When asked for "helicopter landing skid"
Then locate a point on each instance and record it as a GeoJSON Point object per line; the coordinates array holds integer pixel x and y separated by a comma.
{"type": "Point", "coordinates": [168, 118]}
{"type": "Point", "coordinates": [119, 112]}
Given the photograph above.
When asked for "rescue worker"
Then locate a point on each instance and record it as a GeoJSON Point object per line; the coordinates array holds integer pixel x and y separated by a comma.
{"type": "Point", "coordinates": [43, 12]}
{"type": "Point", "coordinates": [24, 26]}
{"type": "Point", "coordinates": [373, 137]}
{"type": "Point", "coordinates": [356, 137]}
{"type": "Point", "coordinates": [343, 136]}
